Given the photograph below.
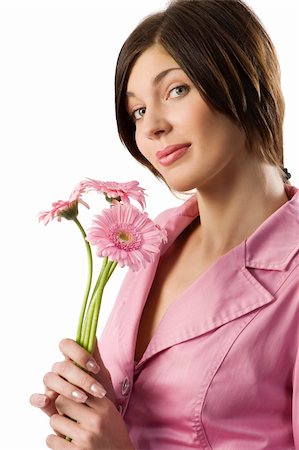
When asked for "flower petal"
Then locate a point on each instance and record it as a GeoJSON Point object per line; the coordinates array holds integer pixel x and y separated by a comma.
{"type": "Point", "coordinates": [126, 235]}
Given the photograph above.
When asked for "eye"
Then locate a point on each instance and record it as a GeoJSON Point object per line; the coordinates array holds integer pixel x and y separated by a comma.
{"type": "Point", "coordinates": [138, 113]}
{"type": "Point", "coordinates": [179, 91]}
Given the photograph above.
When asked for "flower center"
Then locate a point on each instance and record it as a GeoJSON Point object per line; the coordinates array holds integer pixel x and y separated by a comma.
{"type": "Point", "coordinates": [126, 237]}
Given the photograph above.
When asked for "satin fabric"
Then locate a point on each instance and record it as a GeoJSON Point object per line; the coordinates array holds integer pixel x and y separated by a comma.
{"type": "Point", "coordinates": [222, 369]}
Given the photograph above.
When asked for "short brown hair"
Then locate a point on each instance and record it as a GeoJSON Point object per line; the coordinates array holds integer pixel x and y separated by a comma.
{"type": "Point", "coordinates": [224, 49]}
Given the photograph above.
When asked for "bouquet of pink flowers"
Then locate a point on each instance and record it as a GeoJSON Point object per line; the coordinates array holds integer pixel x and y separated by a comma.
{"type": "Point", "coordinates": [121, 234]}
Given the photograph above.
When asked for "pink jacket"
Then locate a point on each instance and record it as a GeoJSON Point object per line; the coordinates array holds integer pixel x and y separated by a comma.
{"type": "Point", "coordinates": [222, 370]}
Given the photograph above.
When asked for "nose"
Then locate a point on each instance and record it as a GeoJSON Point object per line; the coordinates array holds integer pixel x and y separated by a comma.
{"type": "Point", "coordinates": [155, 123]}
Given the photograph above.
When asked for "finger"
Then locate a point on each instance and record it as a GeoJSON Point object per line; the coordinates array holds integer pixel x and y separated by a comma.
{"type": "Point", "coordinates": [98, 357]}
{"type": "Point", "coordinates": [61, 386]}
{"type": "Point", "coordinates": [45, 402]}
{"type": "Point", "coordinates": [104, 376]}
{"type": "Point", "coordinates": [64, 426]}
{"type": "Point", "coordinates": [77, 377]}
{"type": "Point", "coordinates": [78, 412]}
{"type": "Point", "coordinates": [70, 349]}
{"type": "Point", "coordinates": [58, 443]}
{"type": "Point", "coordinates": [39, 400]}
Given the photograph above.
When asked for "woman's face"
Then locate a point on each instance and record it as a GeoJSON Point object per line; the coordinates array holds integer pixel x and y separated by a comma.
{"type": "Point", "coordinates": [176, 131]}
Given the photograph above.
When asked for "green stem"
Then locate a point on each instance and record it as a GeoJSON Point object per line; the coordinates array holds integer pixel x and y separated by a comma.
{"type": "Point", "coordinates": [89, 280]}
{"type": "Point", "coordinates": [111, 269]}
{"type": "Point", "coordinates": [96, 313]}
{"type": "Point", "coordinates": [105, 262]}
{"type": "Point", "coordinates": [92, 326]}
{"type": "Point", "coordinates": [84, 338]}
{"type": "Point", "coordinates": [87, 324]}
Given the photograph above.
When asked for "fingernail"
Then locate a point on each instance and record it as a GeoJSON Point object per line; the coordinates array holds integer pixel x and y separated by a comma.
{"type": "Point", "coordinates": [98, 390]}
{"type": "Point", "coordinates": [92, 366]}
{"type": "Point", "coordinates": [79, 396]}
{"type": "Point", "coordinates": [41, 401]}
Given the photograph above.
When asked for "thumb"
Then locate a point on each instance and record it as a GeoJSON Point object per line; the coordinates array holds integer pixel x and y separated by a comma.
{"type": "Point", "coordinates": [103, 376]}
{"type": "Point", "coordinates": [45, 402]}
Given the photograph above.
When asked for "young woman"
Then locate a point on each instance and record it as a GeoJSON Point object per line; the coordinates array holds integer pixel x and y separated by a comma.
{"type": "Point", "coordinates": [201, 348]}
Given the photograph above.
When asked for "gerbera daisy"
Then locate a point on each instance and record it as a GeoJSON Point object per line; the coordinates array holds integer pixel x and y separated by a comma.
{"type": "Point", "coordinates": [67, 209]}
{"type": "Point", "coordinates": [114, 191]}
{"type": "Point", "coordinates": [126, 235]}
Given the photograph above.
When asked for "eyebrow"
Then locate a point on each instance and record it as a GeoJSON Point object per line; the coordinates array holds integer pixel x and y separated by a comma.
{"type": "Point", "coordinates": [158, 78]}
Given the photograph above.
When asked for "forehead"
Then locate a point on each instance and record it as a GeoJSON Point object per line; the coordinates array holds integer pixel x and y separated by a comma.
{"type": "Point", "coordinates": [149, 64]}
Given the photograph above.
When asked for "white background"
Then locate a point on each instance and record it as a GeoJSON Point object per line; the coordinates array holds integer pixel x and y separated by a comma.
{"type": "Point", "coordinates": [58, 127]}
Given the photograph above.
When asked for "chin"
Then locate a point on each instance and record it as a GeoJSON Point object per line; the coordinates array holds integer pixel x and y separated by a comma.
{"type": "Point", "coordinates": [181, 183]}
{"type": "Point", "coordinates": [181, 187]}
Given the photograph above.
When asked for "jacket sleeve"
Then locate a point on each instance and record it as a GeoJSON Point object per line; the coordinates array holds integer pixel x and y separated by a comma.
{"type": "Point", "coordinates": [296, 402]}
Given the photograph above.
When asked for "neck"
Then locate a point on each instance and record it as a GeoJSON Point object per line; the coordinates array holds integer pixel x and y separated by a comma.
{"type": "Point", "coordinates": [232, 209]}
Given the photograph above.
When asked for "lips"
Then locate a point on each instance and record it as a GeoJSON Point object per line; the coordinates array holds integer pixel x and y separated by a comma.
{"type": "Point", "coordinates": [171, 153]}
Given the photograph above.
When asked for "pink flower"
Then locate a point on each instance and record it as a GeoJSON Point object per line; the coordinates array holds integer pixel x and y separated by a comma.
{"type": "Point", "coordinates": [67, 209]}
{"type": "Point", "coordinates": [163, 233]}
{"type": "Point", "coordinates": [126, 235]}
{"type": "Point", "coordinates": [113, 190]}
{"type": "Point", "coordinates": [77, 194]}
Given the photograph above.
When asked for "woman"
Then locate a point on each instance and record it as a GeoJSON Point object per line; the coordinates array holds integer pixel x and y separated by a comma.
{"type": "Point", "coordinates": [201, 348]}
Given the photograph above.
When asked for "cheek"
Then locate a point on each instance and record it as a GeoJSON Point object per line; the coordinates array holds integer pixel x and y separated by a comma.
{"type": "Point", "coordinates": [138, 140]}
{"type": "Point", "coordinates": [231, 139]}
{"type": "Point", "coordinates": [143, 145]}
{"type": "Point", "coordinates": [220, 132]}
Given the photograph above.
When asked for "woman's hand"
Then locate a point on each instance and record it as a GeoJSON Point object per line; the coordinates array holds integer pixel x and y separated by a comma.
{"type": "Point", "coordinates": [98, 383]}
{"type": "Point", "coordinates": [87, 398]}
{"type": "Point", "coordinates": [98, 426]}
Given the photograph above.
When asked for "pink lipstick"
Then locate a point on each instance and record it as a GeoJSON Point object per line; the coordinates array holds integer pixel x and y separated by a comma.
{"type": "Point", "coordinates": [171, 153]}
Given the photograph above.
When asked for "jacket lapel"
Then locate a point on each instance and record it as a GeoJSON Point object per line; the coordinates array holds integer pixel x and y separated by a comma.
{"type": "Point", "coordinates": [225, 292]}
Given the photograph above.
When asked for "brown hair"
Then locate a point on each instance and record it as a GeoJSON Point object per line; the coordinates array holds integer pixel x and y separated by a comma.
{"type": "Point", "coordinates": [224, 49]}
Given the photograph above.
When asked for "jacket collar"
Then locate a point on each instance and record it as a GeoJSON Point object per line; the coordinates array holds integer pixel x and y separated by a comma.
{"type": "Point", "coordinates": [276, 241]}
{"type": "Point", "coordinates": [224, 293]}
{"type": "Point", "coordinates": [282, 227]}
{"type": "Point", "coordinates": [212, 301]}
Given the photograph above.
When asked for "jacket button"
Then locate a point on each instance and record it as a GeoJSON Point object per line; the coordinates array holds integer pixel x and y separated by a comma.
{"type": "Point", "coordinates": [125, 387]}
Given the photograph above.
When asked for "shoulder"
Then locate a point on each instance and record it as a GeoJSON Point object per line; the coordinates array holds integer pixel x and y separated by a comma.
{"type": "Point", "coordinates": [187, 209]}
{"type": "Point", "coordinates": [272, 254]}
{"type": "Point", "coordinates": [276, 241]}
